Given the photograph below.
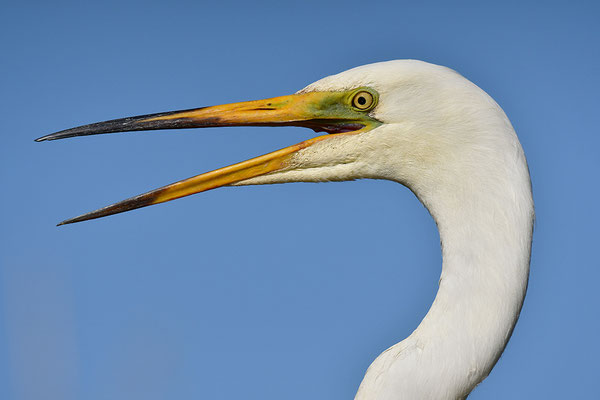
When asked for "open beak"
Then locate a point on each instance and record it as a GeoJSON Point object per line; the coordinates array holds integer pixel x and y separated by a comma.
{"type": "Point", "coordinates": [321, 111]}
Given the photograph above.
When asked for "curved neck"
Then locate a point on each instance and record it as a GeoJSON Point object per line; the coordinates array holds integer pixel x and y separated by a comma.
{"type": "Point", "coordinates": [486, 241]}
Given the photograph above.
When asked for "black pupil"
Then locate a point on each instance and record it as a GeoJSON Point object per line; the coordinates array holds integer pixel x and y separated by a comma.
{"type": "Point", "coordinates": [362, 101]}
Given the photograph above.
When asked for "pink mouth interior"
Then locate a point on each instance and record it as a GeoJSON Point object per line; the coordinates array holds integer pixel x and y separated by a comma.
{"type": "Point", "coordinates": [338, 128]}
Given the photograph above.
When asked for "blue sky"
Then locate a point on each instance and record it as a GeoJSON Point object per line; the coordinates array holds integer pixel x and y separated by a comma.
{"type": "Point", "coordinates": [275, 292]}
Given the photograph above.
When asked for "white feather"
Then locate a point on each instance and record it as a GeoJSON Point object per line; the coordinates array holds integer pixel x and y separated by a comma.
{"type": "Point", "coordinates": [453, 146]}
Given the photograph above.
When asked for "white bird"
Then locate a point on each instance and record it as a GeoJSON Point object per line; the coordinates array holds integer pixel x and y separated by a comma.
{"type": "Point", "coordinates": [430, 129]}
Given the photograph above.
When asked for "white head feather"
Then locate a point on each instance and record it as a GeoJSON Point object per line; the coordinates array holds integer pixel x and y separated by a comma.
{"type": "Point", "coordinates": [453, 146]}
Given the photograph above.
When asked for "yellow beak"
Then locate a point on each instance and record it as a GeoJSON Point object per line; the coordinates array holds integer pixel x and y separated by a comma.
{"type": "Point", "coordinates": [321, 111]}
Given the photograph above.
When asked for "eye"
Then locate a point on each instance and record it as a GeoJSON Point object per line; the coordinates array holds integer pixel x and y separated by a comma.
{"type": "Point", "coordinates": [362, 100]}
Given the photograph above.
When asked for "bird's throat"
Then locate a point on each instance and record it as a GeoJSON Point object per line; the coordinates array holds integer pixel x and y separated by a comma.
{"type": "Point", "coordinates": [486, 244]}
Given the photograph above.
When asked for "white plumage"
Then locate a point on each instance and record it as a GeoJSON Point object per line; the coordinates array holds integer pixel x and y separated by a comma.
{"type": "Point", "coordinates": [444, 138]}
{"type": "Point", "coordinates": [453, 146]}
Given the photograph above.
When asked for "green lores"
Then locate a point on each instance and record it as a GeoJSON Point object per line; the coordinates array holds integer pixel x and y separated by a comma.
{"type": "Point", "coordinates": [347, 108]}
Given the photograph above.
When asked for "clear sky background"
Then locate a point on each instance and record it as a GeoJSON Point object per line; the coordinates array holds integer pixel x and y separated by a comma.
{"type": "Point", "coordinates": [270, 292]}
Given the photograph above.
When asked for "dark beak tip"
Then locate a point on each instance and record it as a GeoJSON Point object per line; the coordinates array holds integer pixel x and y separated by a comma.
{"type": "Point", "coordinates": [45, 138]}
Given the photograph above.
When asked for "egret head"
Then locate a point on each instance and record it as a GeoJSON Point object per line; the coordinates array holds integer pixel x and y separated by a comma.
{"type": "Point", "coordinates": [432, 130]}
{"type": "Point", "coordinates": [402, 120]}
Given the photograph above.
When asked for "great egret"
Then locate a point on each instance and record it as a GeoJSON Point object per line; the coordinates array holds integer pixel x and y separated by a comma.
{"type": "Point", "coordinates": [426, 127]}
